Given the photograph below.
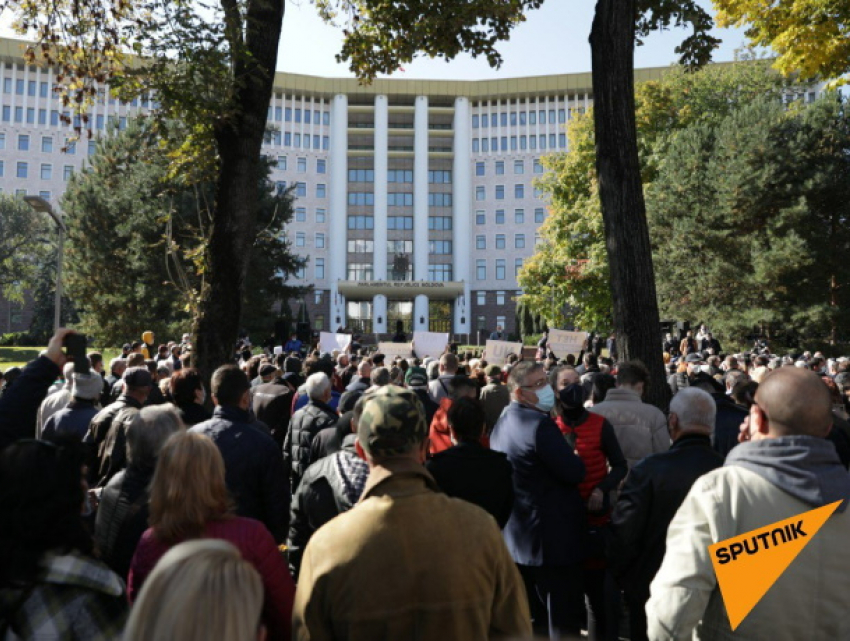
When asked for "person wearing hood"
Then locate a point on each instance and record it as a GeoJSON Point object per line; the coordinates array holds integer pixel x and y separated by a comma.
{"type": "Point", "coordinates": [56, 400]}
{"type": "Point", "coordinates": [783, 467]}
{"type": "Point", "coordinates": [652, 493]}
{"type": "Point", "coordinates": [76, 416]}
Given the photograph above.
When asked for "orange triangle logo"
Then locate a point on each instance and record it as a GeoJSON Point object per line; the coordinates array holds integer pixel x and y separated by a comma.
{"type": "Point", "coordinates": [747, 565]}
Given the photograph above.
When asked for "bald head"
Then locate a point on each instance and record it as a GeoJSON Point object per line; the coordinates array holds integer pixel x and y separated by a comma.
{"type": "Point", "coordinates": [796, 402]}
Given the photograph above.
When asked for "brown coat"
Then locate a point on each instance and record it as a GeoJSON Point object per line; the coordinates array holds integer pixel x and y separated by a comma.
{"type": "Point", "coordinates": [408, 561]}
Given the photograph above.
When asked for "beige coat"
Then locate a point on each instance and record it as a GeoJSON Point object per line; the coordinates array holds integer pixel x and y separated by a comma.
{"type": "Point", "coordinates": [640, 427]}
{"type": "Point", "coordinates": [810, 600]}
{"type": "Point", "coordinates": [409, 562]}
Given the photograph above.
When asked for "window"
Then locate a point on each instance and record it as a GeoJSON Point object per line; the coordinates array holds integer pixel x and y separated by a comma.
{"type": "Point", "coordinates": [532, 142]}
{"type": "Point", "coordinates": [537, 240]}
{"type": "Point", "coordinates": [519, 241]}
{"type": "Point", "coordinates": [479, 169]}
{"type": "Point", "coordinates": [300, 239]}
{"type": "Point", "coordinates": [494, 144]}
{"type": "Point", "coordinates": [307, 117]}
{"type": "Point", "coordinates": [360, 246]}
{"type": "Point", "coordinates": [19, 114]}
{"type": "Point", "coordinates": [517, 266]}
{"type": "Point", "coordinates": [23, 142]}
{"type": "Point", "coordinates": [503, 119]}
{"type": "Point", "coordinates": [19, 87]}
{"type": "Point", "coordinates": [519, 216]}
{"type": "Point", "coordinates": [500, 299]}
{"type": "Point", "coordinates": [281, 163]}
{"type": "Point", "coordinates": [2, 141]}
{"type": "Point", "coordinates": [481, 323]}
{"type": "Point", "coordinates": [301, 165]}
{"type": "Point", "coordinates": [500, 168]}
{"type": "Point", "coordinates": [437, 200]}
{"type": "Point", "coordinates": [321, 190]}
{"type": "Point", "coordinates": [361, 175]}
{"type": "Point", "coordinates": [485, 144]}
{"type": "Point", "coordinates": [513, 143]}
{"type": "Point", "coordinates": [519, 191]}
{"type": "Point", "coordinates": [522, 117]}
{"type": "Point", "coordinates": [562, 116]}
{"type": "Point", "coordinates": [399, 246]}
{"type": "Point", "coordinates": [42, 116]}
{"type": "Point", "coordinates": [532, 117]}
{"type": "Point", "coordinates": [45, 195]}
{"type": "Point", "coordinates": [400, 222]}
{"type": "Point", "coordinates": [500, 241]}
{"type": "Point", "coordinates": [539, 215]}
{"type": "Point", "coordinates": [297, 141]}
{"type": "Point", "coordinates": [481, 298]}
{"type": "Point", "coordinates": [301, 189]}
{"type": "Point", "coordinates": [298, 115]}
{"type": "Point", "coordinates": [553, 141]}
{"type": "Point", "coordinates": [500, 320]}
{"type": "Point", "coordinates": [443, 177]}
{"type": "Point", "coordinates": [440, 223]}
{"type": "Point", "coordinates": [552, 118]}
{"type": "Point", "coordinates": [7, 85]}
{"type": "Point", "coordinates": [399, 176]}
{"type": "Point", "coordinates": [320, 241]}
{"type": "Point", "coordinates": [480, 218]}
{"type": "Point", "coordinates": [562, 140]}
{"type": "Point", "coordinates": [7, 113]}
{"type": "Point", "coordinates": [475, 146]}
{"type": "Point", "coordinates": [504, 143]}
{"type": "Point", "coordinates": [480, 242]}
{"type": "Point", "coordinates": [321, 166]}
{"type": "Point", "coordinates": [301, 273]}
{"type": "Point", "coordinates": [70, 147]}
{"type": "Point", "coordinates": [320, 269]}
{"type": "Point", "coordinates": [361, 222]}
{"type": "Point", "coordinates": [47, 144]}
{"type": "Point", "coordinates": [320, 215]}
{"type": "Point", "coordinates": [523, 142]}
{"type": "Point", "coordinates": [494, 120]}
{"type": "Point", "coordinates": [360, 271]}
{"type": "Point", "coordinates": [300, 214]}
{"type": "Point", "coordinates": [92, 147]}
{"type": "Point", "coordinates": [538, 192]}
{"type": "Point", "coordinates": [519, 167]}
{"type": "Point", "coordinates": [500, 192]}
{"type": "Point", "coordinates": [46, 171]}
{"type": "Point", "coordinates": [67, 172]}
{"type": "Point", "coordinates": [280, 186]}
{"type": "Point", "coordinates": [287, 139]}
{"type": "Point", "coordinates": [2, 168]}
{"type": "Point", "coordinates": [326, 118]}
{"type": "Point", "coordinates": [479, 193]}
{"type": "Point", "coordinates": [440, 247]}
{"type": "Point", "coordinates": [401, 199]}
{"type": "Point", "coordinates": [22, 170]}
{"type": "Point", "coordinates": [475, 121]}
{"type": "Point", "coordinates": [513, 119]}
{"type": "Point", "coordinates": [500, 216]}
{"type": "Point", "coordinates": [99, 121]}
{"type": "Point", "coordinates": [538, 166]}
{"type": "Point", "coordinates": [542, 116]}
{"type": "Point", "coordinates": [500, 270]}
{"type": "Point", "coordinates": [439, 272]}
{"type": "Point", "coordinates": [481, 269]}
{"type": "Point", "coordinates": [326, 143]}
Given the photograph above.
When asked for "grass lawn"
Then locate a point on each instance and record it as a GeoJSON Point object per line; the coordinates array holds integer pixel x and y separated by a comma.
{"type": "Point", "coordinates": [20, 356]}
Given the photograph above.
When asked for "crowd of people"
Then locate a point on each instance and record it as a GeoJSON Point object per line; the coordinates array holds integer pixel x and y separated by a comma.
{"type": "Point", "coordinates": [311, 495]}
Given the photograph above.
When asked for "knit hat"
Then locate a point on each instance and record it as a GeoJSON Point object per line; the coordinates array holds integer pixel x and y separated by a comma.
{"type": "Point", "coordinates": [87, 386]}
{"type": "Point", "coordinates": [392, 423]}
{"type": "Point", "coordinates": [416, 377]}
{"type": "Point", "coordinates": [137, 377]}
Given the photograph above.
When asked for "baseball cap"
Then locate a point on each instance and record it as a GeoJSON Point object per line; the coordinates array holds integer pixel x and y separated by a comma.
{"type": "Point", "coordinates": [392, 423]}
{"type": "Point", "coordinates": [416, 377]}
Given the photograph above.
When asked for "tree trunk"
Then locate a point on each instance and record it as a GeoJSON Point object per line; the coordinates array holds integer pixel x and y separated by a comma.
{"type": "Point", "coordinates": [239, 141]}
{"type": "Point", "coordinates": [636, 320]}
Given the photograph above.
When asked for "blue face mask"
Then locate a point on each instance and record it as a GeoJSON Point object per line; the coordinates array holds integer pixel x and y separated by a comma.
{"type": "Point", "coordinates": [545, 398]}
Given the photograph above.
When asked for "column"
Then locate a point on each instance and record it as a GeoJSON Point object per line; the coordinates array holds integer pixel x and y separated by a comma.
{"type": "Point", "coordinates": [420, 208]}
{"type": "Point", "coordinates": [337, 222]}
{"type": "Point", "coordinates": [379, 257]}
{"type": "Point", "coordinates": [461, 196]}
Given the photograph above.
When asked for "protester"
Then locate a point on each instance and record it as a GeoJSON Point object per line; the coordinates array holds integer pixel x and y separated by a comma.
{"type": "Point", "coordinates": [74, 419]}
{"type": "Point", "coordinates": [56, 400]}
{"type": "Point", "coordinates": [209, 579]}
{"type": "Point", "coordinates": [416, 380]}
{"type": "Point", "coordinates": [189, 500]}
{"type": "Point", "coordinates": [188, 393]}
{"type": "Point", "coordinates": [272, 404]}
{"type": "Point", "coordinates": [495, 396]}
{"type": "Point", "coordinates": [351, 585]}
{"type": "Point", "coordinates": [305, 424]}
{"type": "Point", "coordinates": [253, 464]}
{"type": "Point", "coordinates": [447, 368]}
{"type": "Point", "coordinates": [783, 467]}
{"type": "Point", "coordinates": [440, 438]}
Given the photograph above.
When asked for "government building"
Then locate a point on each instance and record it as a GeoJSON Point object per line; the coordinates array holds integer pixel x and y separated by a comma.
{"type": "Point", "coordinates": [415, 199]}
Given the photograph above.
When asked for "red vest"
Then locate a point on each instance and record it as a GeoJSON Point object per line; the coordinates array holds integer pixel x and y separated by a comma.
{"type": "Point", "coordinates": [589, 450]}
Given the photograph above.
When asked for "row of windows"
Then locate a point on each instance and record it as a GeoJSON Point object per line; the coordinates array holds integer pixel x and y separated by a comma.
{"type": "Point", "coordinates": [400, 176]}
{"type": "Point", "coordinates": [22, 170]}
{"type": "Point", "coordinates": [362, 198]}
{"type": "Point", "coordinates": [519, 216]}
{"type": "Point", "coordinates": [441, 176]}
{"type": "Point", "coordinates": [499, 167]}
{"type": "Point", "coordinates": [288, 114]}
{"type": "Point", "coordinates": [20, 115]}
{"type": "Point", "coordinates": [499, 192]}
{"type": "Point", "coordinates": [361, 175]}
{"type": "Point", "coordinates": [301, 189]}
{"type": "Point", "coordinates": [439, 200]}
{"type": "Point", "coordinates": [519, 241]}
{"type": "Point", "coordinates": [500, 268]}
{"type": "Point", "coordinates": [440, 223]}
{"type": "Point", "coordinates": [519, 142]}
{"type": "Point", "coordinates": [301, 215]}
{"type": "Point", "coordinates": [501, 297]}
{"type": "Point", "coordinates": [301, 165]}
{"type": "Point", "coordinates": [295, 140]}
{"type": "Point", "coordinates": [400, 199]}
{"type": "Point", "coordinates": [522, 118]}
{"type": "Point", "coordinates": [44, 90]}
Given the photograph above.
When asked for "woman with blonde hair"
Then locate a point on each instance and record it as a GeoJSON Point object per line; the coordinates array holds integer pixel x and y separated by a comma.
{"type": "Point", "coordinates": [189, 500]}
{"type": "Point", "coordinates": [199, 590]}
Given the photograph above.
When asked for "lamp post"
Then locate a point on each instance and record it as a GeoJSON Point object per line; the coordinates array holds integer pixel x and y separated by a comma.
{"type": "Point", "coordinates": [40, 205]}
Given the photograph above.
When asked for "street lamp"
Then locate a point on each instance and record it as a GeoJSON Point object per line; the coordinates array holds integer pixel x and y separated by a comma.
{"type": "Point", "coordinates": [40, 205]}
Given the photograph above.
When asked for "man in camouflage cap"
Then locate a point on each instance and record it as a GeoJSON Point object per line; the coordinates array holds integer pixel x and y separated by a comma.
{"type": "Point", "coordinates": [369, 573]}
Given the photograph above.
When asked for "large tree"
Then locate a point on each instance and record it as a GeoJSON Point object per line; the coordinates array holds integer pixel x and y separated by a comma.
{"type": "Point", "coordinates": [137, 237]}
{"type": "Point", "coordinates": [26, 242]}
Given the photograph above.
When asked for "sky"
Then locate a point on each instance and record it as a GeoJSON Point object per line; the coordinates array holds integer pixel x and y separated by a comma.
{"type": "Point", "coordinates": [553, 40]}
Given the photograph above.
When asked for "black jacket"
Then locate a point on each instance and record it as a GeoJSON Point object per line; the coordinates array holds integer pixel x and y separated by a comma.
{"type": "Point", "coordinates": [192, 414]}
{"type": "Point", "coordinates": [727, 425]}
{"type": "Point", "coordinates": [253, 468]}
{"type": "Point", "coordinates": [20, 402]}
{"type": "Point", "coordinates": [651, 496]}
{"type": "Point", "coordinates": [272, 403]}
{"type": "Point", "coordinates": [428, 403]}
{"type": "Point", "coordinates": [476, 474]}
{"type": "Point", "coordinates": [107, 436]}
{"type": "Point", "coordinates": [305, 424]}
{"type": "Point", "coordinates": [329, 487]}
{"type": "Point", "coordinates": [122, 518]}
{"type": "Point", "coordinates": [329, 440]}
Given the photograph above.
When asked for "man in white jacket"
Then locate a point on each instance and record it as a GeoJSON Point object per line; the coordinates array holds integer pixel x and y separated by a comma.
{"type": "Point", "coordinates": [785, 467]}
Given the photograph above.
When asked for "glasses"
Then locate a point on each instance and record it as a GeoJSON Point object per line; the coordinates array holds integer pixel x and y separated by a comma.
{"type": "Point", "coordinates": [538, 385]}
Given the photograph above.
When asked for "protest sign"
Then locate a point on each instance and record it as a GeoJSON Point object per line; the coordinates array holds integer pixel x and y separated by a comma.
{"type": "Point", "coordinates": [391, 350]}
{"type": "Point", "coordinates": [329, 342]}
{"type": "Point", "coordinates": [431, 344]}
{"type": "Point", "coordinates": [562, 343]}
{"type": "Point", "coordinates": [496, 352]}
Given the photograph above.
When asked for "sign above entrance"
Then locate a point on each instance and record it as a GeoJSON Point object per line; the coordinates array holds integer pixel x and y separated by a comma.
{"type": "Point", "coordinates": [366, 289]}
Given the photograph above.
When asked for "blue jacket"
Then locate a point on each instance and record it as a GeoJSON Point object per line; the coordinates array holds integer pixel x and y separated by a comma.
{"type": "Point", "coordinates": [547, 524]}
{"type": "Point", "coordinates": [73, 419]}
{"type": "Point", "coordinates": [19, 403]}
{"type": "Point", "coordinates": [253, 468]}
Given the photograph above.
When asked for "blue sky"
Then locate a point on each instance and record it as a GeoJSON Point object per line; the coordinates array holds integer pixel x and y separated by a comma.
{"type": "Point", "coordinates": [552, 40]}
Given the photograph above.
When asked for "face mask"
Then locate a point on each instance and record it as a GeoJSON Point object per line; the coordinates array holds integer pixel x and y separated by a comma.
{"type": "Point", "coordinates": [572, 396]}
{"type": "Point", "coordinates": [545, 398]}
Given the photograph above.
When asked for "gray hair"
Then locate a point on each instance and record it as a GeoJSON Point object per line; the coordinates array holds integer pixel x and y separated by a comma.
{"type": "Point", "coordinates": [317, 386]}
{"type": "Point", "coordinates": [380, 376]}
{"type": "Point", "coordinates": [696, 410]}
{"type": "Point", "coordinates": [148, 432]}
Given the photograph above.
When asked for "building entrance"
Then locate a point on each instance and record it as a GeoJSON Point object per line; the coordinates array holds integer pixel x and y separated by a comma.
{"type": "Point", "coordinates": [400, 311]}
{"type": "Point", "coordinates": [440, 316]}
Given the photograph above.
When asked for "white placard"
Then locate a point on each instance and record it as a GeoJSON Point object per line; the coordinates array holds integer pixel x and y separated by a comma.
{"type": "Point", "coordinates": [391, 350]}
{"type": "Point", "coordinates": [329, 342]}
{"type": "Point", "coordinates": [430, 344]}
{"type": "Point", "coordinates": [562, 342]}
{"type": "Point", "coordinates": [278, 350]}
{"type": "Point", "coordinates": [496, 352]}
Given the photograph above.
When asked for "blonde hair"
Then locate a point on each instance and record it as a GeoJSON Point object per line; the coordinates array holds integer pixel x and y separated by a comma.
{"type": "Point", "coordinates": [188, 489]}
{"type": "Point", "coordinates": [199, 590]}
